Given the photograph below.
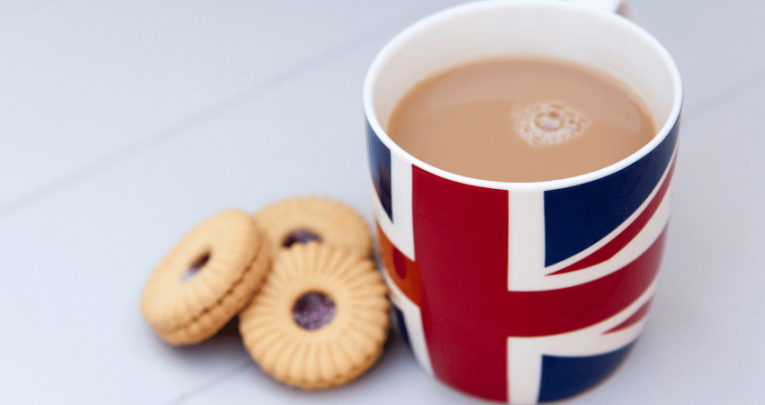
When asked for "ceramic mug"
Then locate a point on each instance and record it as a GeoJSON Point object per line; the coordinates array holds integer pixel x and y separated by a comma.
{"type": "Point", "coordinates": [522, 292]}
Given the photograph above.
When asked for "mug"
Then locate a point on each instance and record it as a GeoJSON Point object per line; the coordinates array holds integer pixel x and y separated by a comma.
{"type": "Point", "coordinates": [522, 292]}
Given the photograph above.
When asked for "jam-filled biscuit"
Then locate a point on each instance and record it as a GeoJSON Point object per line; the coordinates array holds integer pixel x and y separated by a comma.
{"type": "Point", "coordinates": [320, 319]}
{"type": "Point", "coordinates": [207, 278]}
{"type": "Point", "coordinates": [315, 219]}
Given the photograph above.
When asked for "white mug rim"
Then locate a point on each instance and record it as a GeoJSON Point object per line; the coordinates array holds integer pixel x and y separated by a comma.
{"type": "Point", "coordinates": [423, 24]}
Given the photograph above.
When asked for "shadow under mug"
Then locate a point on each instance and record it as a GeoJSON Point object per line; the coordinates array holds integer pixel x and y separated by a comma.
{"type": "Point", "coordinates": [522, 292]}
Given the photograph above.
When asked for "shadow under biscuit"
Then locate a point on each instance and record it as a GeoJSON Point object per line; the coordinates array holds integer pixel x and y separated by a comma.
{"type": "Point", "coordinates": [226, 343]}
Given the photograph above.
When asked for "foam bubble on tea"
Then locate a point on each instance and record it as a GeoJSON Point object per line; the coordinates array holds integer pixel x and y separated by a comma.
{"type": "Point", "coordinates": [548, 123]}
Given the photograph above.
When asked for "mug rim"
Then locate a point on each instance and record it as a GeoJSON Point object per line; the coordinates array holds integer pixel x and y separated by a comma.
{"type": "Point", "coordinates": [401, 38]}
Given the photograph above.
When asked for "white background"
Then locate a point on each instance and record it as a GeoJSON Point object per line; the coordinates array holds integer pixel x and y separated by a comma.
{"type": "Point", "coordinates": [124, 125]}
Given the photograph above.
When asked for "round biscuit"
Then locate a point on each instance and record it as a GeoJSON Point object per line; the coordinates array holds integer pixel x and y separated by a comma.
{"type": "Point", "coordinates": [331, 221]}
{"type": "Point", "coordinates": [341, 350]}
{"type": "Point", "coordinates": [234, 257]}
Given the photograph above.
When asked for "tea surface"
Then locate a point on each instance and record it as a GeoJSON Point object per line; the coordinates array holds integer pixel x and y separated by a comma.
{"type": "Point", "coordinates": [520, 120]}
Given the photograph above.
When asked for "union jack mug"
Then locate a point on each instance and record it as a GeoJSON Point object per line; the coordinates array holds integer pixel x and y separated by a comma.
{"type": "Point", "coordinates": [522, 292]}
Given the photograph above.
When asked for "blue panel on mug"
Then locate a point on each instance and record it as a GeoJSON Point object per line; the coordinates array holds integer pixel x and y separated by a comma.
{"type": "Point", "coordinates": [578, 217]}
{"type": "Point", "coordinates": [399, 322]}
{"type": "Point", "coordinates": [563, 377]}
{"type": "Point", "coordinates": [379, 166]}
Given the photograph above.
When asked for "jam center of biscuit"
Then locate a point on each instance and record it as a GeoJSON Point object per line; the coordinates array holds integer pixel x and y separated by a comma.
{"type": "Point", "coordinates": [313, 310]}
{"type": "Point", "coordinates": [194, 267]}
{"type": "Point", "coordinates": [300, 236]}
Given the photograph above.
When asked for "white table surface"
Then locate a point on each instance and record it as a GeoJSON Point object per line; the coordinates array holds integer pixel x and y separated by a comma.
{"type": "Point", "coordinates": [124, 125]}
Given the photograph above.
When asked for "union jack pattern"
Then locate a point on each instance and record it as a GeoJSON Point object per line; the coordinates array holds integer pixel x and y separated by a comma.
{"type": "Point", "coordinates": [542, 292]}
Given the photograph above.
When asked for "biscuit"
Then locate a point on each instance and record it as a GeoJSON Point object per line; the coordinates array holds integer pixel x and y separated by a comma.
{"type": "Point", "coordinates": [207, 278]}
{"type": "Point", "coordinates": [320, 319]}
{"type": "Point", "coordinates": [315, 219]}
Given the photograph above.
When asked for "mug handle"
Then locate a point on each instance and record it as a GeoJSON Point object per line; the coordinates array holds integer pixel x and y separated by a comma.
{"type": "Point", "coordinates": [620, 7]}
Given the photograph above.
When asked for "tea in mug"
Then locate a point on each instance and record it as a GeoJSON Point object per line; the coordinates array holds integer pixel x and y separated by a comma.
{"type": "Point", "coordinates": [521, 119]}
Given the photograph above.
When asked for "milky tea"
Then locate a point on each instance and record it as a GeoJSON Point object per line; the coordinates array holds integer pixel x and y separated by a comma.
{"type": "Point", "coordinates": [520, 119]}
